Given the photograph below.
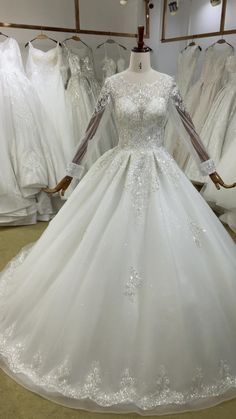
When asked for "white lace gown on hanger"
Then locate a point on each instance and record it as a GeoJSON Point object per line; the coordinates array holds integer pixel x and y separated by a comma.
{"type": "Point", "coordinates": [202, 95]}
{"type": "Point", "coordinates": [215, 131]}
{"type": "Point", "coordinates": [111, 66]}
{"type": "Point", "coordinates": [127, 301]}
{"type": "Point", "coordinates": [89, 71]}
{"type": "Point", "coordinates": [44, 71]}
{"type": "Point", "coordinates": [82, 91]}
{"type": "Point", "coordinates": [187, 62]}
{"type": "Point", "coordinates": [25, 159]}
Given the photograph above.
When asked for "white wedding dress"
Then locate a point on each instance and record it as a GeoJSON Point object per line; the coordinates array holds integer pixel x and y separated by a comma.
{"type": "Point", "coordinates": [201, 96]}
{"type": "Point", "coordinates": [222, 143]}
{"type": "Point", "coordinates": [25, 159]}
{"type": "Point", "coordinates": [82, 91]}
{"type": "Point", "coordinates": [111, 66]}
{"type": "Point", "coordinates": [127, 301]}
{"type": "Point", "coordinates": [187, 62]}
{"type": "Point", "coordinates": [215, 130]}
{"type": "Point", "coordinates": [44, 70]}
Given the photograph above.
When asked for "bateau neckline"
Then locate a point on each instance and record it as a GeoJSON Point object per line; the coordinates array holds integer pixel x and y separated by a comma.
{"type": "Point", "coordinates": [139, 83]}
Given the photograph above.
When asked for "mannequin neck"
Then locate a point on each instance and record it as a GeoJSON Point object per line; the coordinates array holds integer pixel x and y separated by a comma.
{"type": "Point", "coordinates": [140, 62]}
{"type": "Point", "coordinates": [140, 69]}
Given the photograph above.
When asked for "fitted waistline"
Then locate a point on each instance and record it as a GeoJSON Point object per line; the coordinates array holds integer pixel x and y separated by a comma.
{"type": "Point", "coordinates": [137, 142]}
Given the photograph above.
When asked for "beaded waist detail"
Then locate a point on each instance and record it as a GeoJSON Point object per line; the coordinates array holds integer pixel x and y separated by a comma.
{"type": "Point", "coordinates": [141, 138]}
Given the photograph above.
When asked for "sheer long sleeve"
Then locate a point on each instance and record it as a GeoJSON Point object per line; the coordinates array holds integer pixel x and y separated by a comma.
{"type": "Point", "coordinates": [186, 129]}
{"type": "Point", "coordinates": [102, 112]}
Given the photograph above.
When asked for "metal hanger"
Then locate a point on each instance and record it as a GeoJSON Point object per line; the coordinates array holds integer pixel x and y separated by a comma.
{"type": "Point", "coordinates": [3, 34]}
{"type": "Point", "coordinates": [221, 41]}
{"type": "Point", "coordinates": [40, 37]}
{"type": "Point", "coordinates": [192, 44]}
{"type": "Point", "coordinates": [111, 41]}
{"type": "Point", "coordinates": [78, 39]}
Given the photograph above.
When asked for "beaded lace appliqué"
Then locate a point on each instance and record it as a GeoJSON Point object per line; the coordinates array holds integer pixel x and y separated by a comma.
{"type": "Point", "coordinates": [197, 233]}
{"type": "Point", "coordinates": [133, 283]}
{"type": "Point", "coordinates": [126, 390]}
{"type": "Point", "coordinates": [140, 116]}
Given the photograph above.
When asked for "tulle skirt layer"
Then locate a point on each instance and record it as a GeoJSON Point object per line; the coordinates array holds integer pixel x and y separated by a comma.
{"type": "Point", "coordinates": [127, 302]}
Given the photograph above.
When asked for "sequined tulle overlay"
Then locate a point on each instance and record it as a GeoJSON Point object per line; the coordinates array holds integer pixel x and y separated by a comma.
{"type": "Point", "coordinates": [131, 289]}
{"type": "Point", "coordinates": [127, 392]}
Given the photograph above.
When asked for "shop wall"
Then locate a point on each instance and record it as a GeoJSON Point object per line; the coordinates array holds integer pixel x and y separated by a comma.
{"type": "Point", "coordinates": [60, 13]}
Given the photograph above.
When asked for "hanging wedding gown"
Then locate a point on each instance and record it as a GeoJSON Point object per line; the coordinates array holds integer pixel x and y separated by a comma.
{"type": "Point", "coordinates": [214, 132]}
{"type": "Point", "coordinates": [82, 90]}
{"type": "Point", "coordinates": [225, 199]}
{"type": "Point", "coordinates": [111, 66]}
{"type": "Point", "coordinates": [222, 143]}
{"type": "Point", "coordinates": [202, 95]}
{"type": "Point", "coordinates": [25, 159]}
{"type": "Point", "coordinates": [187, 62]}
{"type": "Point", "coordinates": [44, 69]}
{"type": "Point", "coordinates": [127, 301]}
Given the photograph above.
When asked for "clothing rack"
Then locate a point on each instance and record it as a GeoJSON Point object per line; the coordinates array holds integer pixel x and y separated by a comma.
{"type": "Point", "coordinates": [222, 31]}
{"type": "Point", "coordinates": [78, 28]}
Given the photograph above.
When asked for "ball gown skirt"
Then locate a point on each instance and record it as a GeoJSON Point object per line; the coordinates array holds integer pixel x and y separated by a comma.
{"type": "Point", "coordinates": [132, 301]}
{"type": "Point", "coordinates": [127, 302]}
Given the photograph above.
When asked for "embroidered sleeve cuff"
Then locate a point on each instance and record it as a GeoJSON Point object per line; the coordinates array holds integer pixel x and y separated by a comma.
{"type": "Point", "coordinates": [207, 167]}
{"type": "Point", "coordinates": [75, 170]}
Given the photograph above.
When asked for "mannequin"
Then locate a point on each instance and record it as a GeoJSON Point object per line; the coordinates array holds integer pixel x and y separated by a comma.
{"type": "Point", "coordinates": [139, 71]}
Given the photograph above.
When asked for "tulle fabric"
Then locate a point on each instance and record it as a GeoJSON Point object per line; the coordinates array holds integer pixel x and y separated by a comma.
{"type": "Point", "coordinates": [202, 95]}
{"type": "Point", "coordinates": [187, 62]}
{"type": "Point", "coordinates": [217, 132]}
{"type": "Point", "coordinates": [127, 301]}
{"type": "Point", "coordinates": [225, 199]}
{"type": "Point", "coordinates": [26, 161]}
{"type": "Point", "coordinates": [44, 71]}
{"type": "Point", "coordinates": [113, 295]}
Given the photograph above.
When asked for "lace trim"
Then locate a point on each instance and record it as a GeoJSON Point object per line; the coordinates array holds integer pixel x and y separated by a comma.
{"type": "Point", "coordinates": [177, 99]}
{"type": "Point", "coordinates": [75, 170]}
{"type": "Point", "coordinates": [128, 389]}
{"type": "Point", "coordinates": [104, 98]}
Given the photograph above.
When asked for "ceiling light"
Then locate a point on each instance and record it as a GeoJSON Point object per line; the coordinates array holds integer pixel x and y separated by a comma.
{"type": "Point", "coordinates": [123, 2]}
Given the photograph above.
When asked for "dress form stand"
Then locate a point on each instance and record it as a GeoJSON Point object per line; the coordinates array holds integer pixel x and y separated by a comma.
{"type": "Point", "coordinates": [139, 71]}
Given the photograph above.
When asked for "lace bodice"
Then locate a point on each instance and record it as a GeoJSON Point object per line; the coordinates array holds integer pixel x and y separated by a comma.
{"type": "Point", "coordinates": [111, 67]}
{"type": "Point", "coordinates": [10, 56]}
{"type": "Point", "coordinates": [108, 67]}
{"type": "Point", "coordinates": [79, 66]}
{"type": "Point", "coordinates": [140, 111]}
